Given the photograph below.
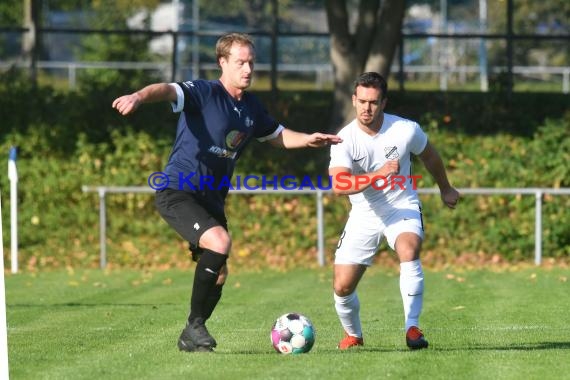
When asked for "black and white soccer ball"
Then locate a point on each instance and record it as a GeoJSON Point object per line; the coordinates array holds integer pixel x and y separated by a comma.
{"type": "Point", "coordinates": [292, 333]}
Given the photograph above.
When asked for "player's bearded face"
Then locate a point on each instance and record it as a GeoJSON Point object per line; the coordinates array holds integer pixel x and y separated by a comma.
{"type": "Point", "coordinates": [369, 104]}
{"type": "Point", "coordinates": [239, 66]}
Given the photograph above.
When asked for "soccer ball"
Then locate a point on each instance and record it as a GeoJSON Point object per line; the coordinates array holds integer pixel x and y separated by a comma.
{"type": "Point", "coordinates": [292, 333]}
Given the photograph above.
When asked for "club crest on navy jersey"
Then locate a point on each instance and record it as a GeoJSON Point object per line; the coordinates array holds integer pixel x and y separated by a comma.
{"type": "Point", "coordinates": [234, 139]}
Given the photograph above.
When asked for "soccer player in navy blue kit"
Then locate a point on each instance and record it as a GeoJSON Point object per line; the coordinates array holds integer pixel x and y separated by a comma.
{"type": "Point", "coordinates": [217, 120]}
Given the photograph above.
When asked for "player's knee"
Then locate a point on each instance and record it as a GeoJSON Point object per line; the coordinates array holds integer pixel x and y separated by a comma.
{"type": "Point", "coordinates": [216, 239]}
{"type": "Point", "coordinates": [408, 247]}
{"type": "Point", "coordinates": [408, 255]}
{"type": "Point", "coordinates": [343, 290]}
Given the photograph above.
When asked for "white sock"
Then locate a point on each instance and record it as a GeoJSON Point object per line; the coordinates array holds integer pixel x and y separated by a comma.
{"type": "Point", "coordinates": [348, 310]}
{"type": "Point", "coordinates": [412, 289]}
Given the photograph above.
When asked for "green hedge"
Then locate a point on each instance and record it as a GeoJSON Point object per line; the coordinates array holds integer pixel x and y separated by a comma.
{"type": "Point", "coordinates": [67, 140]}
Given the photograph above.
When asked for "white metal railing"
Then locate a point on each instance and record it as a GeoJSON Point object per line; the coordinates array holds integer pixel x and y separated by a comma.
{"type": "Point", "coordinates": [323, 72]}
{"type": "Point", "coordinates": [537, 192]}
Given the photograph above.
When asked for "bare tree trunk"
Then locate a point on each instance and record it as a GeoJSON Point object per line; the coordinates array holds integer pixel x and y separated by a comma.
{"type": "Point", "coordinates": [387, 37]}
{"type": "Point", "coordinates": [28, 38]}
{"type": "Point", "coordinates": [370, 48]}
{"type": "Point", "coordinates": [31, 40]}
{"type": "Point", "coordinates": [344, 60]}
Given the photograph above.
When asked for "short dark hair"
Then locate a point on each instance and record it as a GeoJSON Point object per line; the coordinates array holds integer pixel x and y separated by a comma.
{"type": "Point", "coordinates": [374, 80]}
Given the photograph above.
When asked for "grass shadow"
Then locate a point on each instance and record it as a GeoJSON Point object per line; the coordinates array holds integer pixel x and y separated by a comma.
{"type": "Point", "coordinates": [81, 304]}
{"type": "Point", "coordinates": [510, 347]}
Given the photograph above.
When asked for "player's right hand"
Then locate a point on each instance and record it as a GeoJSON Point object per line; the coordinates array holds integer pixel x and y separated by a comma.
{"type": "Point", "coordinates": [391, 167]}
{"type": "Point", "coordinates": [127, 104]}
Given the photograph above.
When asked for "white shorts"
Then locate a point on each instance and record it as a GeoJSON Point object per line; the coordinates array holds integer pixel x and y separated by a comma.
{"type": "Point", "coordinates": [363, 233]}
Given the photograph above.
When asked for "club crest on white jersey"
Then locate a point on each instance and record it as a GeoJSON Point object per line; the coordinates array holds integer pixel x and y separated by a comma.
{"type": "Point", "coordinates": [391, 152]}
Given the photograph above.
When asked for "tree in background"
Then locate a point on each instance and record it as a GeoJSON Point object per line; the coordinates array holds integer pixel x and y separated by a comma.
{"type": "Point", "coordinates": [370, 47]}
{"type": "Point", "coordinates": [364, 34]}
{"type": "Point", "coordinates": [114, 15]}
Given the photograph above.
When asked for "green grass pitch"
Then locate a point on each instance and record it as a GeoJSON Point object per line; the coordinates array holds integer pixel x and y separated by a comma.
{"type": "Point", "coordinates": [481, 324]}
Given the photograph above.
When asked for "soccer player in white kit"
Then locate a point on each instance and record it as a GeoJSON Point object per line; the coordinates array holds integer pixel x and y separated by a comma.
{"type": "Point", "coordinates": [373, 167]}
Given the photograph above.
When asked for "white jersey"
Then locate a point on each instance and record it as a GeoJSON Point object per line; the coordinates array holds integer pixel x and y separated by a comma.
{"type": "Point", "coordinates": [397, 139]}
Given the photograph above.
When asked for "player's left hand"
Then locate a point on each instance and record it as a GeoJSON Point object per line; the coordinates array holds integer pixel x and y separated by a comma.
{"type": "Point", "coordinates": [319, 140]}
{"type": "Point", "coordinates": [450, 197]}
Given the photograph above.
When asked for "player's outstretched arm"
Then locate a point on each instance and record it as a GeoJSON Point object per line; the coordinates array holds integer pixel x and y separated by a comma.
{"type": "Point", "coordinates": [434, 165]}
{"type": "Point", "coordinates": [158, 92]}
{"type": "Point", "coordinates": [290, 139]}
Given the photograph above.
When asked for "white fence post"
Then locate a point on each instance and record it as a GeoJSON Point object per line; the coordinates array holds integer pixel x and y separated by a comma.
{"type": "Point", "coordinates": [13, 177]}
{"type": "Point", "coordinates": [538, 227]}
{"type": "Point", "coordinates": [102, 228]}
{"type": "Point", "coordinates": [320, 229]}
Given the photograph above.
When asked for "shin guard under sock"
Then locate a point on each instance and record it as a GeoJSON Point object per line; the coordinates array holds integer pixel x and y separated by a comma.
{"type": "Point", "coordinates": [212, 300]}
{"type": "Point", "coordinates": [412, 290]}
{"type": "Point", "coordinates": [205, 277]}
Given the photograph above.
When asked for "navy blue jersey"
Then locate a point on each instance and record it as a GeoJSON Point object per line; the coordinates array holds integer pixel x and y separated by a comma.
{"type": "Point", "coordinates": [213, 129]}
